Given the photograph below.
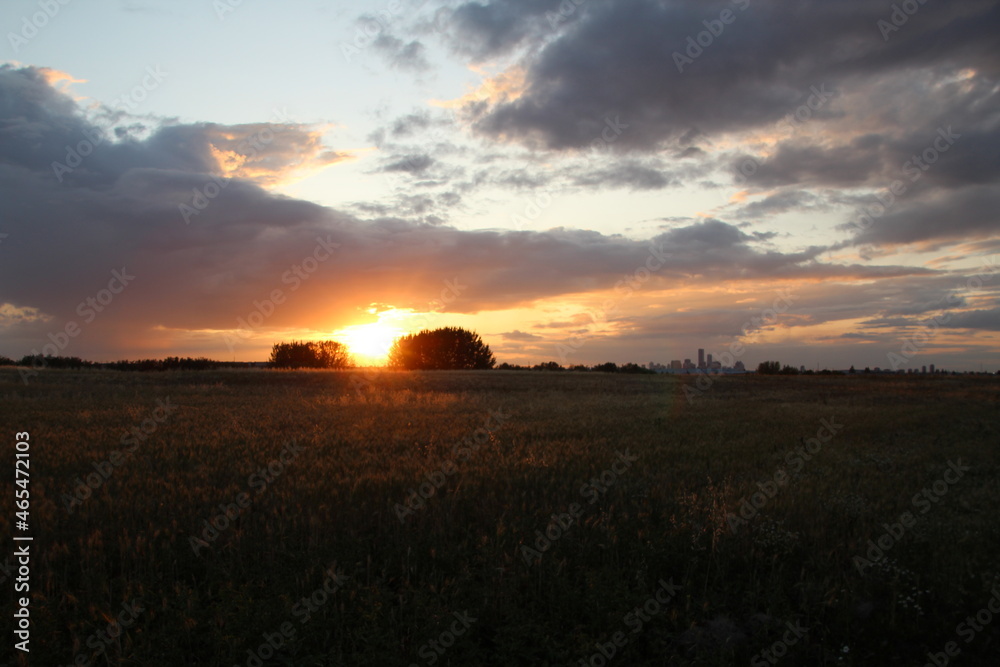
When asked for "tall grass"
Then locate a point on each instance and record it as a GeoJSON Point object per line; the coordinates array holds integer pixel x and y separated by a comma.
{"type": "Point", "coordinates": [367, 446]}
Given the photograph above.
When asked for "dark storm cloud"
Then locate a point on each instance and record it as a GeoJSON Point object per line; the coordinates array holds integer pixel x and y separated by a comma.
{"type": "Point", "coordinates": [486, 30]}
{"type": "Point", "coordinates": [758, 68]}
{"type": "Point", "coordinates": [988, 320]}
{"type": "Point", "coordinates": [964, 214]}
{"type": "Point", "coordinates": [843, 166]}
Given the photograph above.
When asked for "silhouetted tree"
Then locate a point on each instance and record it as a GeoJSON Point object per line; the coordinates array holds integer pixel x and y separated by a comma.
{"type": "Point", "coordinates": [448, 348]}
{"type": "Point", "coordinates": [769, 368]}
{"type": "Point", "coordinates": [301, 354]}
{"type": "Point", "coordinates": [548, 366]}
{"type": "Point", "coordinates": [632, 367]}
{"type": "Point", "coordinates": [607, 367]}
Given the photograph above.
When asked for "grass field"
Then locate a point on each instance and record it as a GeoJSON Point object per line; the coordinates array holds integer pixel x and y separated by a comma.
{"type": "Point", "coordinates": [505, 518]}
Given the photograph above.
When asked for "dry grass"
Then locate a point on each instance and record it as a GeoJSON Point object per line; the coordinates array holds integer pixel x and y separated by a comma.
{"type": "Point", "coordinates": [365, 449]}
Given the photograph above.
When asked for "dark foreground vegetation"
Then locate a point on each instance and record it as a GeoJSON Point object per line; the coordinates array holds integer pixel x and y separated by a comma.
{"type": "Point", "coordinates": [246, 517]}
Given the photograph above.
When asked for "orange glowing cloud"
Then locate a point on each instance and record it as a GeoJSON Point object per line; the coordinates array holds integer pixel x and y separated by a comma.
{"type": "Point", "coordinates": [506, 86]}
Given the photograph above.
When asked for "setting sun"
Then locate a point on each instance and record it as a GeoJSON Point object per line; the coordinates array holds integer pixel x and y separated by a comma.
{"type": "Point", "coordinates": [369, 343]}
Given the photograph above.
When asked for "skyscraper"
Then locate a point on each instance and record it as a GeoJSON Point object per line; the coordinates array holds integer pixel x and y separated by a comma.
{"type": "Point", "coordinates": [701, 357]}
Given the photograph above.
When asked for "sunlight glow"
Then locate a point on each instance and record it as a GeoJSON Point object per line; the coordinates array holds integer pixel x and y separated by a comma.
{"type": "Point", "coordinates": [369, 343]}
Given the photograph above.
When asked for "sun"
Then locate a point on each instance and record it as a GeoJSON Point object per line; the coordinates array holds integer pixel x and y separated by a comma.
{"type": "Point", "coordinates": [369, 343]}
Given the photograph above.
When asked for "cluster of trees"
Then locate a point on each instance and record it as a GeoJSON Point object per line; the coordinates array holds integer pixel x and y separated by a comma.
{"type": "Point", "coordinates": [775, 368]}
{"type": "Point", "coordinates": [607, 367]}
{"type": "Point", "coordinates": [449, 348]}
{"type": "Point", "coordinates": [168, 364]}
{"type": "Point", "coordinates": [312, 354]}
{"type": "Point", "coordinates": [49, 361]}
{"type": "Point", "coordinates": [165, 364]}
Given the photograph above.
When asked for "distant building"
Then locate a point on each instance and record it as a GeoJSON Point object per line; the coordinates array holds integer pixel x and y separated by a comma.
{"type": "Point", "coordinates": [688, 364]}
{"type": "Point", "coordinates": [675, 364]}
{"type": "Point", "coordinates": [738, 366]}
{"type": "Point", "coordinates": [701, 357]}
{"type": "Point", "coordinates": [932, 368]}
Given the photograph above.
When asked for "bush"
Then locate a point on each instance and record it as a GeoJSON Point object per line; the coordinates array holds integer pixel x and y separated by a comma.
{"type": "Point", "coordinates": [300, 354]}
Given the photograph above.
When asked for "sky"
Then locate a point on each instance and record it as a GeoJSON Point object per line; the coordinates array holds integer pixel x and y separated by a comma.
{"type": "Point", "coordinates": [578, 181]}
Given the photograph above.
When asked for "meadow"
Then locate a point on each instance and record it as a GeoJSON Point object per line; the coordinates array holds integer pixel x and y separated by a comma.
{"type": "Point", "coordinates": [505, 518]}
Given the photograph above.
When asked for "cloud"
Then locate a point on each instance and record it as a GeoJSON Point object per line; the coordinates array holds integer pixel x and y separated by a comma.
{"type": "Point", "coordinates": [987, 320]}
{"type": "Point", "coordinates": [486, 30]}
{"type": "Point", "coordinates": [410, 55]}
{"type": "Point", "coordinates": [933, 221]}
{"type": "Point", "coordinates": [410, 163]}
{"type": "Point", "coordinates": [622, 58]}
{"type": "Point", "coordinates": [520, 336]}
{"type": "Point", "coordinates": [299, 265]}
{"type": "Point", "coordinates": [627, 173]}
